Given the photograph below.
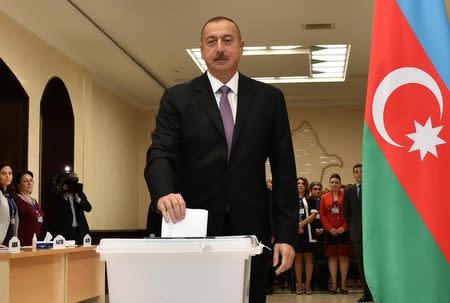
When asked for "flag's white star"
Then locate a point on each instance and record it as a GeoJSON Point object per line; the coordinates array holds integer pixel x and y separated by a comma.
{"type": "Point", "coordinates": [425, 139]}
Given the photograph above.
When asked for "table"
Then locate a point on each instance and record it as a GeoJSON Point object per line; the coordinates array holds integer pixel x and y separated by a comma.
{"type": "Point", "coordinates": [52, 275]}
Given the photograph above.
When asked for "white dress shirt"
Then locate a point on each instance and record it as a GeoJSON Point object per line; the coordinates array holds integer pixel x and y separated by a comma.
{"type": "Point", "coordinates": [232, 95]}
{"type": "Point", "coordinates": [74, 216]}
{"type": "Point", "coordinates": [4, 217]}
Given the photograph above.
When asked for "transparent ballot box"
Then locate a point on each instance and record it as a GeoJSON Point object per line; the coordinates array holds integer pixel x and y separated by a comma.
{"type": "Point", "coordinates": [179, 270]}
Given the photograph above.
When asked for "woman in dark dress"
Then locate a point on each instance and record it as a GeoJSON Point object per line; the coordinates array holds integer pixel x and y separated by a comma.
{"type": "Point", "coordinates": [306, 237]}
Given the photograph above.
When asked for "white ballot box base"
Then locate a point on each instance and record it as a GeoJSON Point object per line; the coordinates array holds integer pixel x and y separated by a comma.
{"type": "Point", "coordinates": [190, 270]}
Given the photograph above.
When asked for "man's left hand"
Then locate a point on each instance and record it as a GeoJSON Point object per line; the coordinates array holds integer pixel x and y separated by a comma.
{"type": "Point", "coordinates": [287, 254]}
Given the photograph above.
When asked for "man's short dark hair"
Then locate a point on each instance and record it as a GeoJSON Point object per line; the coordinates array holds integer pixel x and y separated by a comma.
{"type": "Point", "coordinates": [356, 166]}
{"type": "Point", "coordinates": [315, 183]}
{"type": "Point", "coordinates": [218, 19]}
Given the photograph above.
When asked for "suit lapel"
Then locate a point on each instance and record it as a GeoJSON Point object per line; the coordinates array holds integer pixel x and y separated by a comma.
{"type": "Point", "coordinates": [244, 104]}
{"type": "Point", "coordinates": [207, 101]}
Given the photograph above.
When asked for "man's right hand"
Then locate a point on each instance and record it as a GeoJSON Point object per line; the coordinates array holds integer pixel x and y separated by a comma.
{"type": "Point", "coordinates": [172, 207]}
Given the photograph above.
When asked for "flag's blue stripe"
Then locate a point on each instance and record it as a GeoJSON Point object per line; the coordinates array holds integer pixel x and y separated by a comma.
{"type": "Point", "coordinates": [428, 19]}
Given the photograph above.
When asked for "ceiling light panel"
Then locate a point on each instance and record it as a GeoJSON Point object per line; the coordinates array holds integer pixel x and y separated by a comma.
{"type": "Point", "coordinates": [325, 63]}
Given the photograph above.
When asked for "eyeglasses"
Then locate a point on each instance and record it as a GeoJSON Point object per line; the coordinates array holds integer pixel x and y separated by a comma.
{"type": "Point", "coordinates": [316, 188]}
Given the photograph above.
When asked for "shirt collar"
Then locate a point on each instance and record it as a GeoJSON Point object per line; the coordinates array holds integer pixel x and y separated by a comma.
{"type": "Point", "coordinates": [217, 84]}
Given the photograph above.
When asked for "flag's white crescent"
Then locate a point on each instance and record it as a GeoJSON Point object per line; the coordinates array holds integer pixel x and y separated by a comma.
{"type": "Point", "coordinates": [391, 82]}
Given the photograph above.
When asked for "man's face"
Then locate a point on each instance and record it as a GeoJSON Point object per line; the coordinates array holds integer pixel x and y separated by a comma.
{"type": "Point", "coordinates": [316, 191]}
{"type": "Point", "coordinates": [222, 49]}
{"type": "Point", "coordinates": [357, 174]}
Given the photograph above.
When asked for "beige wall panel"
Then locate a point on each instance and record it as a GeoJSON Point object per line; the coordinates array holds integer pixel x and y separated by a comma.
{"type": "Point", "coordinates": [112, 163]}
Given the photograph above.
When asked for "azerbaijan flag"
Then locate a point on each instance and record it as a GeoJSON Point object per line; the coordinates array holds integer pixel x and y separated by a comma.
{"type": "Point", "coordinates": [406, 154]}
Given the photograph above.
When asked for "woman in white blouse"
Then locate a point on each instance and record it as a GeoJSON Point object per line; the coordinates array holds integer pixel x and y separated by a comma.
{"type": "Point", "coordinates": [306, 237]}
{"type": "Point", "coordinates": [9, 220]}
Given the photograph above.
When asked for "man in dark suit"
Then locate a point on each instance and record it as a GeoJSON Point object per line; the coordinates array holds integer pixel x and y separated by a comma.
{"type": "Point", "coordinates": [321, 271]}
{"type": "Point", "coordinates": [353, 215]}
{"type": "Point", "coordinates": [68, 206]}
{"type": "Point", "coordinates": [210, 146]}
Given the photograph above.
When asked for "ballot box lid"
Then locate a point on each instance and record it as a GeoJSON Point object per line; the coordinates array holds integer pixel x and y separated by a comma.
{"type": "Point", "coordinates": [237, 244]}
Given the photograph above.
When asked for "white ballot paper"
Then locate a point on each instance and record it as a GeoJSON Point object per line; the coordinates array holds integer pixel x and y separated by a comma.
{"type": "Point", "coordinates": [194, 225]}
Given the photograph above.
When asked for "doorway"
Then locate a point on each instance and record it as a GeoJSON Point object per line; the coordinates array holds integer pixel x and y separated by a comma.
{"type": "Point", "coordinates": [57, 138]}
{"type": "Point", "coordinates": [14, 126]}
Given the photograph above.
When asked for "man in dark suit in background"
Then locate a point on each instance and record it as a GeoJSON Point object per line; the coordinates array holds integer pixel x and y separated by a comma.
{"type": "Point", "coordinates": [321, 271]}
{"type": "Point", "coordinates": [69, 203]}
{"type": "Point", "coordinates": [212, 138]}
{"type": "Point", "coordinates": [353, 215]}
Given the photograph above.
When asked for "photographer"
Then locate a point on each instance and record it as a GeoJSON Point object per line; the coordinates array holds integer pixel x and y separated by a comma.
{"type": "Point", "coordinates": [69, 206]}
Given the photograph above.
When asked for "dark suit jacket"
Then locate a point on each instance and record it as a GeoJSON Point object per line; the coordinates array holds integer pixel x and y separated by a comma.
{"type": "Point", "coordinates": [353, 212]}
{"type": "Point", "coordinates": [188, 155]}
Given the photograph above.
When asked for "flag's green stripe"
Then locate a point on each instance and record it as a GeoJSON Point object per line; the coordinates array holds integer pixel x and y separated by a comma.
{"type": "Point", "coordinates": [403, 262]}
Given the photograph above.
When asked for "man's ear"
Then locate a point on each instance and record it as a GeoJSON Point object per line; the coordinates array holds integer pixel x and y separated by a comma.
{"type": "Point", "coordinates": [200, 45]}
{"type": "Point", "coordinates": [241, 45]}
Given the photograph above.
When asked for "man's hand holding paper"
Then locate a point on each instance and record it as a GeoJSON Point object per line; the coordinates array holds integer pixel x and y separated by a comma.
{"type": "Point", "coordinates": [172, 207]}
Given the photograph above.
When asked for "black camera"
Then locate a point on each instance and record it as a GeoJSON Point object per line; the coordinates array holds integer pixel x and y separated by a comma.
{"type": "Point", "coordinates": [72, 184]}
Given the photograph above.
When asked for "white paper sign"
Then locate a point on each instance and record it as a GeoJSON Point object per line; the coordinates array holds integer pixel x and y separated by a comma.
{"type": "Point", "coordinates": [59, 242]}
{"type": "Point", "coordinates": [87, 240]}
{"type": "Point", "coordinates": [194, 225]}
{"type": "Point", "coordinates": [14, 245]}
